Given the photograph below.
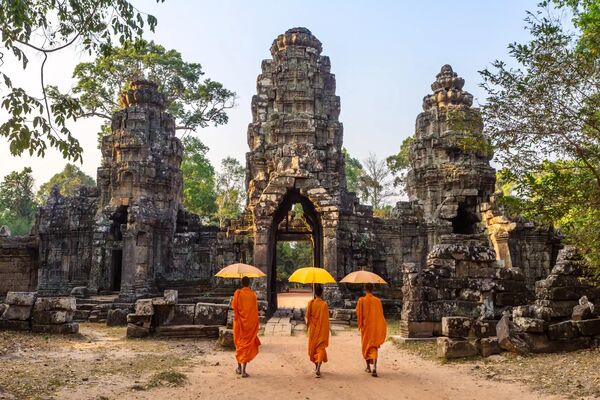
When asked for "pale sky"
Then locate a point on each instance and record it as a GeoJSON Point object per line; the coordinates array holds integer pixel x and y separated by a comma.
{"type": "Point", "coordinates": [385, 55]}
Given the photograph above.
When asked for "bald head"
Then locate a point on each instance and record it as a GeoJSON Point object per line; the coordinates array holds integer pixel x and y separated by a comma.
{"type": "Point", "coordinates": [245, 281]}
{"type": "Point", "coordinates": [369, 287]}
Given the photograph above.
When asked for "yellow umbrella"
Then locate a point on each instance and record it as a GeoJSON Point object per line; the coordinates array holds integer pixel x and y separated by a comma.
{"type": "Point", "coordinates": [363, 277]}
{"type": "Point", "coordinates": [311, 275]}
{"type": "Point", "coordinates": [240, 270]}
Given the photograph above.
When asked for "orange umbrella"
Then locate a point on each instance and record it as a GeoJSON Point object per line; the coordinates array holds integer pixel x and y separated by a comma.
{"type": "Point", "coordinates": [363, 277]}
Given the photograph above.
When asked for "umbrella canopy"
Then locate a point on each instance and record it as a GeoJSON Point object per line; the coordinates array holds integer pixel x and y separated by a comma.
{"type": "Point", "coordinates": [363, 277]}
{"type": "Point", "coordinates": [311, 275]}
{"type": "Point", "coordinates": [240, 270]}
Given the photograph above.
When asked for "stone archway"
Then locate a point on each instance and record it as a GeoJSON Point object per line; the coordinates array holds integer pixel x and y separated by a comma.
{"type": "Point", "coordinates": [274, 203]}
{"type": "Point", "coordinates": [280, 227]}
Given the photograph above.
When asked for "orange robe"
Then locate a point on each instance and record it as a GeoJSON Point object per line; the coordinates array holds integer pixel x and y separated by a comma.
{"type": "Point", "coordinates": [245, 325]}
{"type": "Point", "coordinates": [317, 319]}
{"type": "Point", "coordinates": [372, 325]}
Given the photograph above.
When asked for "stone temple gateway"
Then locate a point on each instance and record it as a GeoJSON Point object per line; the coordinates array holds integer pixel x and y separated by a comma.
{"type": "Point", "coordinates": [448, 250]}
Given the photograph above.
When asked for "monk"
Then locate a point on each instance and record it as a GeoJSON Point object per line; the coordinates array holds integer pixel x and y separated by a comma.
{"type": "Point", "coordinates": [372, 326]}
{"type": "Point", "coordinates": [245, 326]}
{"type": "Point", "coordinates": [317, 321]}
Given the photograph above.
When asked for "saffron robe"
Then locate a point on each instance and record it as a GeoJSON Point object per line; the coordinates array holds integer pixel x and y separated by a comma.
{"type": "Point", "coordinates": [372, 325]}
{"type": "Point", "coordinates": [317, 319]}
{"type": "Point", "coordinates": [245, 325]}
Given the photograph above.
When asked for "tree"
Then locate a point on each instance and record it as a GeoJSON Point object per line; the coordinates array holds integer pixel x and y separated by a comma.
{"type": "Point", "coordinates": [543, 118]}
{"type": "Point", "coordinates": [400, 163]}
{"type": "Point", "coordinates": [291, 256]}
{"type": "Point", "coordinates": [194, 103]}
{"type": "Point", "coordinates": [69, 179]}
{"type": "Point", "coordinates": [230, 189]}
{"type": "Point", "coordinates": [353, 170]}
{"type": "Point", "coordinates": [17, 206]}
{"type": "Point", "coordinates": [43, 27]}
{"type": "Point", "coordinates": [376, 182]}
{"type": "Point", "coordinates": [199, 194]}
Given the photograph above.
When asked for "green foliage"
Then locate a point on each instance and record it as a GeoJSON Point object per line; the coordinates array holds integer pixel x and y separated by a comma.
{"type": "Point", "coordinates": [194, 103]}
{"type": "Point", "coordinates": [561, 193]}
{"type": "Point", "coordinates": [230, 190]}
{"type": "Point", "coordinates": [17, 206]}
{"type": "Point", "coordinates": [43, 27]}
{"type": "Point", "coordinates": [199, 192]}
{"type": "Point", "coordinates": [291, 256]}
{"type": "Point", "coordinates": [353, 169]}
{"type": "Point", "coordinates": [546, 108]}
{"type": "Point", "coordinates": [69, 179]}
{"type": "Point", "coordinates": [400, 163]}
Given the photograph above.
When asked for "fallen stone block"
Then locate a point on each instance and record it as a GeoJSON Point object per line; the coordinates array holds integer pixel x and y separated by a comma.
{"type": "Point", "coordinates": [51, 317]}
{"type": "Point", "coordinates": [509, 338]}
{"type": "Point", "coordinates": [64, 329]}
{"type": "Point", "coordinates": [14, 325]}
{"type": "Point", "coordinates": [563, 330]}
{"type": "Point", "coordinates": [171, 296]}
{"type": "Point", "coordinates": [55, 303]}
{"type": "Point", "coordinates": [189, 331]}
{"type": "Point", "coordinates": [226, 338]}
{"type": "Point", "coordinates": [140, 320]}
{"type": "Point", "coordinates": [589, 327]}
{"type": "Point", "coordinates": [116, 317]}
{"type": "Point", "coordinates": [184, 314]}
{"type": "Point", "coordinates": [581, 312]}
{"type": "Point", "coordinates": [17, 313]}
{"type": "Point", "coordinates": [20, 298]}
{"type": "Point", "coordinates": [456, 327]}
{"type": "Point", "coordinates": [455, 348]}
{"type": "Point", "coordinates": [530, 325]}
{"type": "Point", "coordinates": [80, 292]}
{"type": "Point", "coordinates": [136, 332]}
{"type": "Point", "coordinates": [81, 315]}
{"type": "Point", "coordinates": [482, 329]}
{"type": "Point", "coordinates": [144, 307]}
{"type": "Point", "coordinates": [211, 314]}
{"type": "Point", "coordinates": [489, 346]}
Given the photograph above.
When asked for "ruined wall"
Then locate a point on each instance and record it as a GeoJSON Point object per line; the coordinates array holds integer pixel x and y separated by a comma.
{"type": "Point", "coordinates": [18, 264]}
{"type": "Point", "coordinates": [65, 226]}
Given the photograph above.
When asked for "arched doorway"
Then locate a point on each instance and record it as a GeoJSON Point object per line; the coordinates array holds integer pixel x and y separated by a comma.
{"type": "Point", "coordinates": [295, 220]}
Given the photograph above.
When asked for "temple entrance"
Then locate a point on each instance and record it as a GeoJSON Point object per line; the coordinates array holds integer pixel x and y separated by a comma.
{"type": "Point", "coordinates": [296, 241]}
{"type": "Point", "coordinates": [117, 267]}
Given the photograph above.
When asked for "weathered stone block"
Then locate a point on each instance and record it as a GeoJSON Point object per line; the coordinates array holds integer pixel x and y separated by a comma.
{"type": "Point", "coordinates": [226, 338]}
{"type": "Point", "coordinates": [581, 312]}
{"type": "Point", "coordinates": [14, 325]}
{"type": "Point", "coordinates": [81, 315]}
{"type": "Point", "coordinates": [135, 331]}
{"type": "Point", "coordinates": [456, 327]}
{"type": "Point", "coordinates": [80, 292]}
{"type": "Point", "coordinates": [482, 329]}
{"type": "Point", "coordinates": [509, 338]}
{"type": "Point", "coordinates": [117, 317]}
{"type": "Point", "coordinates": [211, 314]}
{"type": "Point", "coordinates": [140, 320]}
{"type": "Point", "coordinates": [531, 325]}
{"type": "Point", "coordinates": [63, 329]}
{"type": "Point", "coordinates": [51, 317]}
{"type": "Point", "coordinates": [18, 313]}
{"type": "Point", "coordinates": [20, 298]}
{"type": "Point", "coordinates": [589, 327]}
{"type": "Point", "coordinates": [55, 303]}
{"type": "Point", "coordinates": [563, 330]}
{"type": "Point", "coordinates": [455, 348]}
{"type": "Point", "coordinates": [489, 346]}
{"type": "Point", "coordinates": [144, 307]}
{"type": "Point", "coordinates": [171, 296]}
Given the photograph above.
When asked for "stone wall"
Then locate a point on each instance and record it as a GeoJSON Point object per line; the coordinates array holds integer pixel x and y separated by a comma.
{"type": "Point", "coordinates": [18, 264]}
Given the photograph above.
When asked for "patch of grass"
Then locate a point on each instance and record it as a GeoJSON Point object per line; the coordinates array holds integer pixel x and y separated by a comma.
{"type": "Point", "coordinates": [170, 378]}
{"type": "Point", "coordinates": [393, 327]}
{"type": "Point", "coordinates": [424, 349]}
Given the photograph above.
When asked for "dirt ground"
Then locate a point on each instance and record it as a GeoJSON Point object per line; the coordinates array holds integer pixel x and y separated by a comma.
{"type": "Point", "coordinates": [101, 364]}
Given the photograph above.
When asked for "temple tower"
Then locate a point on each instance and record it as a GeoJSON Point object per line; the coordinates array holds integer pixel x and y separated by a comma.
{"type": "Point", "coordinates": [140, 185]}
{"type": "Point", "coordinates": [295, 155]}
{"type": "Point", "coordinates": [450, 157]}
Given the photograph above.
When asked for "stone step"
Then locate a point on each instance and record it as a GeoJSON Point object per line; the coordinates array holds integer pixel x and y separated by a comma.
{"type": "Point", "coordinates": [187, 331]}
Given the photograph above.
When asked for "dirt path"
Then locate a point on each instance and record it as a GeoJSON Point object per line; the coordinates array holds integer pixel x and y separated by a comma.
{"type": "Point", "coordinates": [282, 371]}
